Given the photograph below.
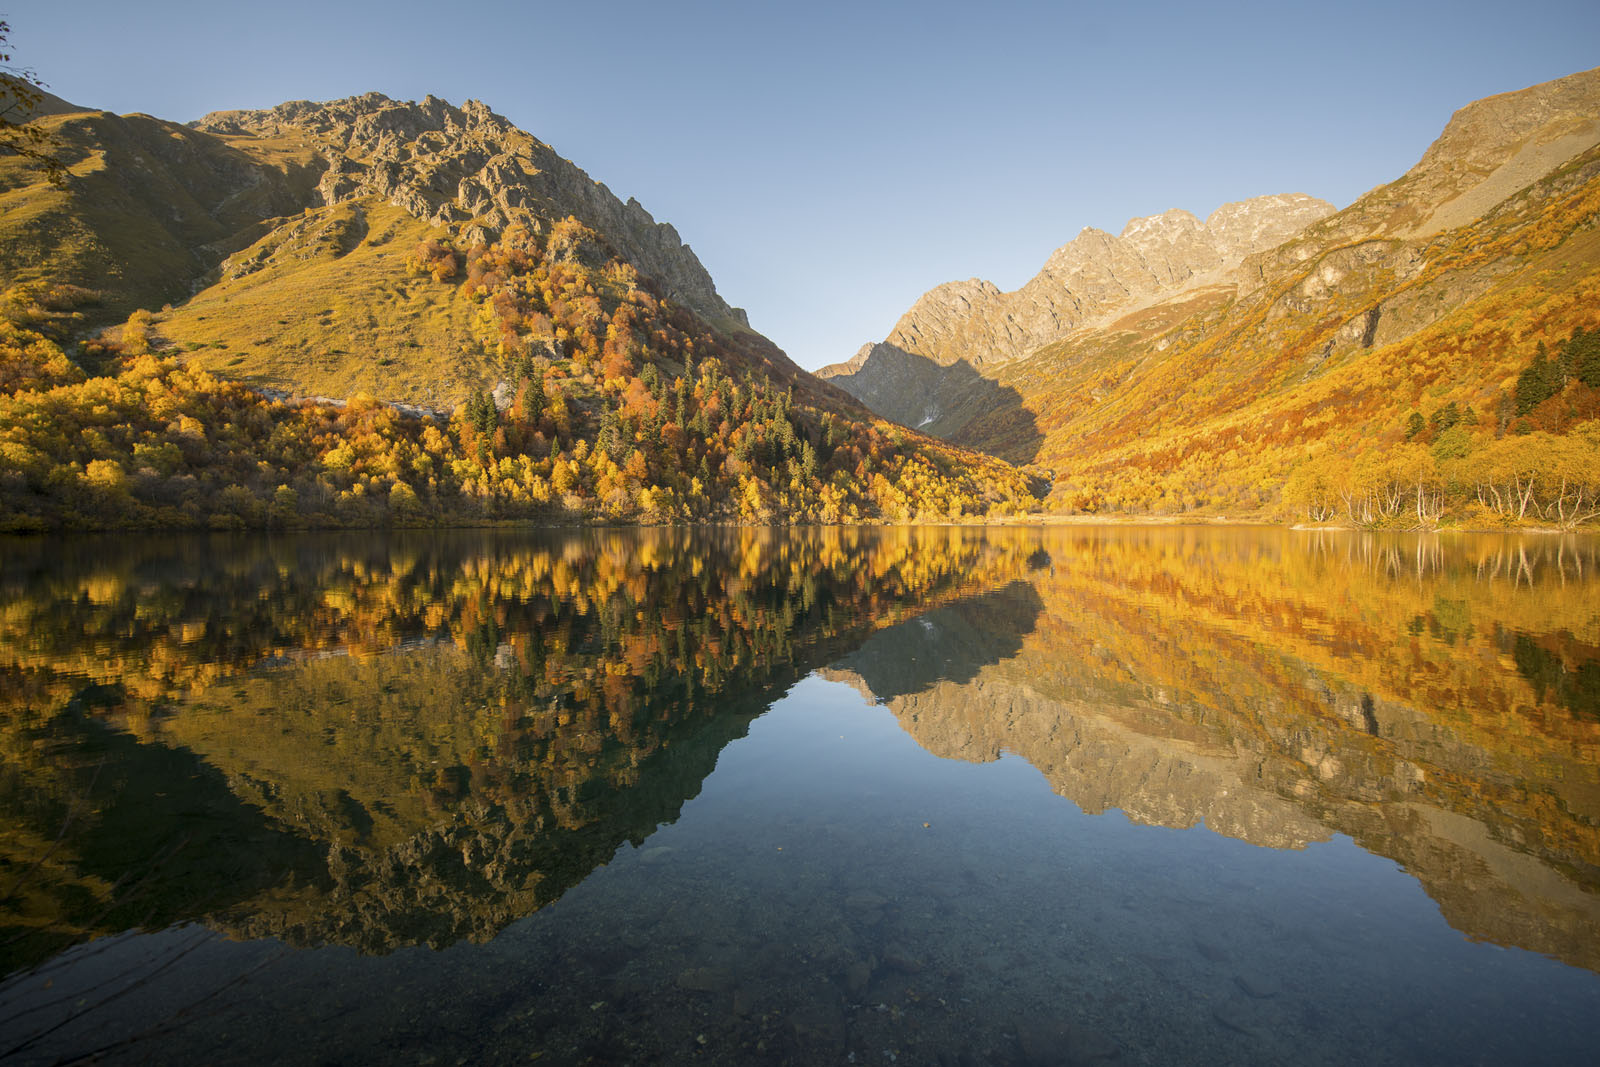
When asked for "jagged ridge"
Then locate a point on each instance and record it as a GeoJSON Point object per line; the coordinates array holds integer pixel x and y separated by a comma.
{"type": "Point", "coordinates": [470, 169]}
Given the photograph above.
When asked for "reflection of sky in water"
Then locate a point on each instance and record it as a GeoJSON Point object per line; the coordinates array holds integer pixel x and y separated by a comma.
{"type": "Point", "coordinates": [1167, 941]}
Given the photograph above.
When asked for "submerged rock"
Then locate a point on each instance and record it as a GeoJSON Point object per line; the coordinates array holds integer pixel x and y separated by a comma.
{"type": "Point", "coordinates": [1053, 1043]}
{"type": "Point", "coordinates": [1257, 984]}
{"type": "Point", "coordinates": [705, 980]}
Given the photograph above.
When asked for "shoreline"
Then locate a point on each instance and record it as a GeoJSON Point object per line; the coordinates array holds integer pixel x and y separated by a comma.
{"type": "Point", "coordinates": [1004, 521]}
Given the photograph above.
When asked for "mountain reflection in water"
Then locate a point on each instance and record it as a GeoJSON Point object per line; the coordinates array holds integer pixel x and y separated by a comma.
{"type": "Point", "coordinates": [419, 739]}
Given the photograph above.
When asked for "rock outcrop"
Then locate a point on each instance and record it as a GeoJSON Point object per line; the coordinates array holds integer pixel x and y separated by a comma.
{"type": "Point", "coordinates": [1087, 282]}
{"type": "Point", "coordinates": [1096, 275]}
{"type": "Point", "coordinates": [471, 169]}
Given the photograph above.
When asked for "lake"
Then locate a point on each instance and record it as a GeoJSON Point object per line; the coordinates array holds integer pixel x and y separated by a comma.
{"type": "Point", "coordinates": [914, 796]}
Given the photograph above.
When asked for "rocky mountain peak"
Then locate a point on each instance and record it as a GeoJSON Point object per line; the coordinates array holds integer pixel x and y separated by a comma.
{"type": "Point", "coordinates": [1097, 275]}
{"type": "Point", "coordinates": [471, 171]}
{"type": "Point", "coordinates": [1487, 132]}
{"type": "Point", "coordinates": [1171, 222]}
{"type": "Point", "coordinates": [1496, 146]}
{"type": "Point", "coordinates": [1245, 227]}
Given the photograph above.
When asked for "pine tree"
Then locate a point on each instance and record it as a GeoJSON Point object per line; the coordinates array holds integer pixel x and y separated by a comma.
{"type": "Point", "coordinates": [1582, 352]}
{"type": "Point", "coordinates": [1538, 383]}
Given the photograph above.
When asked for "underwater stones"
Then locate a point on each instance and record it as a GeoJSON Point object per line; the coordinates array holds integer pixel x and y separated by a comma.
{"type": "Point", "coordinates": [898, 958]}
{"type": "Point", "coordinates": [1257, 984]}
{"type": "Point", "coordinates": [857, 977]}
{"type": "Point", "coordinates": [818, 1023]}
{"type": "Point", "coordinates": [705, 980]}
{"type": "Point", "coordinates": [1238, 1013]}
{"type": "Point", "coordinates": [1053, 1043]}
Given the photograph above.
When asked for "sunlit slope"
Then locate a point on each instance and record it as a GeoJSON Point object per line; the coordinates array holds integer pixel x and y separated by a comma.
{"type": "Point", "coordinates": [147, 209]}
{"type": "Point", "coordinates": [1336, 350]}
{"type": "Point", "coordinates": [513, 342]}
{"type": "Point", "coordinates": [324, 306]}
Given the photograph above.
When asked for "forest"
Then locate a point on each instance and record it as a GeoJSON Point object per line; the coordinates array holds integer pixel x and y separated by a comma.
{"type": "Point", "coordinates": [1534, 459]}
{"type": "Point", "coordinates": [366, 690]}
{"type": "Point", "coordinates": [614, 406]}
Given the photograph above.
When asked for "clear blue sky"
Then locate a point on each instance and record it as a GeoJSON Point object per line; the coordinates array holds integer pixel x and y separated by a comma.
{"type": "Point", "coordinates": [831, 161]}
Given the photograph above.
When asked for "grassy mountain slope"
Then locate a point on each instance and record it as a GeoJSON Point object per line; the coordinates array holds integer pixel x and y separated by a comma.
{"type": "Point", "coordinates": [322, 305]}
{"type": "Point", "coordinates": [148, 208]}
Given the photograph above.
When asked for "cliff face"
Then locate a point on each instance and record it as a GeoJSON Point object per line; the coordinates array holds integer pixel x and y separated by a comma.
{"type": "Point", "coordinates": [467, 168]}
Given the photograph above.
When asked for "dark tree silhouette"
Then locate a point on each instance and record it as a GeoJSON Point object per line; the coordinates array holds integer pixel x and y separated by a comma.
{"type": "Point", "coordinates": [21, 92]}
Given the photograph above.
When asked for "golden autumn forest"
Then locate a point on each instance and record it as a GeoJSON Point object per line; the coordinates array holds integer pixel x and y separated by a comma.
{"type": "Point", "coordinates": [640, 420]}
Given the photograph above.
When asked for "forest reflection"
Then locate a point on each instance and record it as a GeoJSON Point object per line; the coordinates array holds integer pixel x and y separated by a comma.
{"type": "Point", "coordinates": [413, 739]}
{"type": "Point", "coordinates": [417, 739]}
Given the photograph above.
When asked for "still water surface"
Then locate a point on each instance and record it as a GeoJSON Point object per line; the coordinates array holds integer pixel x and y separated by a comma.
{"type": "Point", "coordinates": [911, 796]}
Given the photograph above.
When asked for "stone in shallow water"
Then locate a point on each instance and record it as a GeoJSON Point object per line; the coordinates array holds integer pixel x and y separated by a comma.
{"type": "Point", "coordinates": [897, 958]}
{"type": "Point", "coordinates": [1257, 984]}
{"type": "Point", "coordinates": [1214, 953]}
{"type": "Point", "coordinates": [705, 980]}
{"type": "Point", "coordinates": [1240, 1014]}
{"type": "Point", "coordinates": [1052, 1043]}
{"type": "Point", "coordinates": [818, 1023]}
{"type": "Point", "coordinates": [856, 977]}
{"type": "Point", "coordinates": [864, 899]}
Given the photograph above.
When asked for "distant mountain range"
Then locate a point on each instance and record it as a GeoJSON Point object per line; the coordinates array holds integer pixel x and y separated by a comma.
{"type": "Point", "coordinates": [1188, 364]}
{"type": "Point", "coordinates": [1087, 283]}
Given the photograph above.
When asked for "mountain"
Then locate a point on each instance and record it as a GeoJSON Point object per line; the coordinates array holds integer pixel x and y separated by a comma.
{"type": "Point", "coordinates": [257, 214]}
{"type": "Point", "coordinates": [1187, 365]}
{"type": "Point", "coordinates": [368, 311]}
{"type": "Point", "coordinates": [1085, 283]}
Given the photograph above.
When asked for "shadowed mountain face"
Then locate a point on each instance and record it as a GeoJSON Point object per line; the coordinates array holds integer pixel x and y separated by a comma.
{"type": "Point", "coordinates": [418, 740]}
{"type": "Point", "coordinates": [946, 400]}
